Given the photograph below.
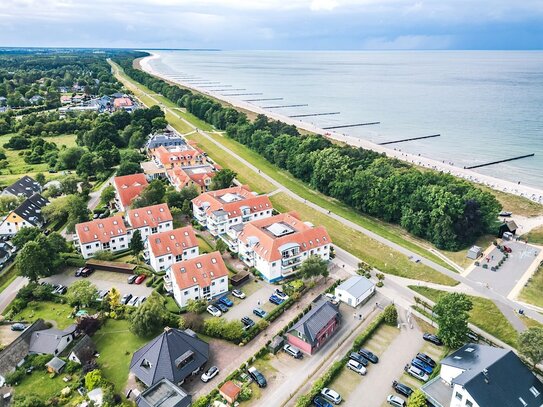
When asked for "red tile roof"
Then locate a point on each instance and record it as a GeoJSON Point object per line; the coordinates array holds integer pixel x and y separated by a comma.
{"type": "Point", "coordinates": [230, 390]}
{"type": "Point", "coordinates": [122, 102]}
{"type": "Point", "coordinates": [199, 271]}
{"type": "Point", "coordinates": [150, 216]}
{"type": "Point", "coordinates": [129, 187]}
{"type": "Point", "coordinates": [307, 237]}
{"type": "Point", "coordinates": [178, 156]}
{"type": "Point", "coordinates": [182, 176]}
{"type": "Point", "coordinates": [100, 229]}
{"type": "Point", "coordinates": [173, 241]}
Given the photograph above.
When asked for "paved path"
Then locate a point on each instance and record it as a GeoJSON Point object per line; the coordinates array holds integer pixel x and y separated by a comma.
{"type": "Point", "coordinates": [9, 293]}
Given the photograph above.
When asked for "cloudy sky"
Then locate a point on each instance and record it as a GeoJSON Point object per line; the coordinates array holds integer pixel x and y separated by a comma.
{"type": "Point", "coordinates": [274, 24]}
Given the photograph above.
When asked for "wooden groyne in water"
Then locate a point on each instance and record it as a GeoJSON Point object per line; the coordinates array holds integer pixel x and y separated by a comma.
{"type": "Point", "coordinates": [314, 114]}
{"type": "Point", "coordinates": [343, 126]}
{"type": "Point", "coordinates": [278, 107]}
{"type": "Point", "coordinates": [409, 139]}
{"type": "Point", "coordinates": [500, 161]}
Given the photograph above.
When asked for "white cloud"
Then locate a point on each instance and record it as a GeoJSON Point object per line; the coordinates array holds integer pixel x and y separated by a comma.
{"type": "Point", "coordinates": [327, 5]}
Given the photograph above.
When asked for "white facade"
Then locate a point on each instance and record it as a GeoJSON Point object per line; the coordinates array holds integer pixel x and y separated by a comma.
{"type": "Point", "coordinates": [461, 398]}
{"type": "Point", "coordinates": [218, 223]}
{"type": "Point", "coordinates": [183, 295]}
{"type": "Point", "coordinates": [147, 230]}
{"type": "Point", "coordinates": [115, 244]}
{"type": "Point", "coordinates": [355, 291]}
{"type": "Point", "coordinates": [164, 262]}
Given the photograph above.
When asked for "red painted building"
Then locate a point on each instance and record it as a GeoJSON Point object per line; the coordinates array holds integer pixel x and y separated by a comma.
{"type": "Point", "coordinates": [315, 328]}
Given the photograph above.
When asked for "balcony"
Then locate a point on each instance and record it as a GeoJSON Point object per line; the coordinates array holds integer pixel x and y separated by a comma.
{"type": "Point", "coordinates": [291, 262]}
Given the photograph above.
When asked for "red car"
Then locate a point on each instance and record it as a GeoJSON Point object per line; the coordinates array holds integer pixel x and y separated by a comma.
{"type": "Point", "coordinates": [140, 279]}
{"type": "Point", "coordinates": [507, 249]}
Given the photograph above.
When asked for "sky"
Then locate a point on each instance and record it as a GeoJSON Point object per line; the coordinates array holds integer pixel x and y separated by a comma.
{"type": "Point", "coordinates": [273, 24]}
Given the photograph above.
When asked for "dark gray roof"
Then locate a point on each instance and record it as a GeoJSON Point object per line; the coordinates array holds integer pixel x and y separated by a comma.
{"type": "Point", "coordinates": [238, 227]}
{"type": "Point", "coordinates": [495, 377]}
{"type": "Point", "coordinates": [30, 209]}
{"type": "Point", "coordinates": [220, 212]}
{"type": "Point", "coordinates": [84, 349]}
{"type": "Point", "coordinates": [4, 254]}
{"type": "Point", "coordinates": [168, 139]}
{"type": "Point", "coordinates": [25, 186]}
{"type": "Point", "coordinates": [56, 364]}
{"type": "Point", "coordinates": [164, 394]}
{"type": "Point", "coordinates": [356, 286]}
{"type": "Point", "coordinates": [163, 357]}
{"type": "Point", "coordinates": [316, 319]}
{"type": "Point", "coordinates": [47, 341]}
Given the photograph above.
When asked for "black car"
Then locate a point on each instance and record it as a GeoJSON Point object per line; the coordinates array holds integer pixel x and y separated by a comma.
{"type": "Point", "coordinates": [221, 306]}
{"type": "Point", "coordinates": [432, 338]}
{"type": "Point", "coordinates": [247, 322]}
{"type": "Point", "coordinates": [126, 298]}
{"type": "Point", "coordinates": [372, 357]}
{"type": "Point", "coordinates": [426, 359]}
{"type": "Point", "coordinates": [359, 358]}
{"type": "Point", "coordinates": [257, 377]}
{"type": "Point", "coordinates": [402, 388]}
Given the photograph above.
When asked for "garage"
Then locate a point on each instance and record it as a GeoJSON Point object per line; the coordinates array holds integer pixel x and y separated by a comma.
{"type": "Point", "coordinates": [355, 291]}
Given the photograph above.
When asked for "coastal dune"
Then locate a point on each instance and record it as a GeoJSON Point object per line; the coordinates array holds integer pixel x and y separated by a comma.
{"type": "Point", "coordinates": [526, 191]}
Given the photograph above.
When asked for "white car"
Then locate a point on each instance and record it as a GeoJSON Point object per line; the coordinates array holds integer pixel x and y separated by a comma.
{"type": "Point", "coordinates": [417, 373]}
{"type": "Point", "coordinates": [331, 395]}
{"type": "Point", "coordinates": [356, 367]}
{"type": "Point", "coordinates": [238, 294]}
{"type": "Point", "coordinates": [213, 310]}
{"type": "Point", "coordinates": [395, 401]}
{"type": "Point", "coordinates": [281, 295]}
{"type": "Point", "coordinates": [210, 374]}
{"type": "Point", "coordinates": [133, 301]}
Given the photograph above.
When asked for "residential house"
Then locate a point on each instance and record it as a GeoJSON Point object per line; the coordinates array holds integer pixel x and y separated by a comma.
{"type": "Point", "coordinates": [123, 103]}
{"type": "Point", "coordinates": [83, 351]}
{"type": "Point", "coordinates": [177, 156]}
{"type": "Point", "coordinates": [219, 210]}
{"type": "Point", "coordinates": [198, 176]}
{"type": "Point", "coordinates": [127, 188]}
{"type": "Point", "coordinates": [152, 170]}
{"type": "Point", "coordinates": [25, 186]}
{"type": "Point", "coordinates": [27, 214]}
{"type": "Point", "coordinates": [51, 341]}
{"type": "Point", "coordinates": [6, 251]}
{"type": "Point", "coordinates": [164, 394]}
{"type": "Point", "coordinates": [316, 327]}
{"type": "Point", "coordinates": [109, 234]}
{"type": "Point", "coordinates": [230, 392]}
{"type": "Point", "coordinates": [166, 248]}
{"type": "Point", "coordinates": [166, 139]}
{"type": "Point", "coordinates": [202, 277]}
{"type": "Point", "coordinates": [480, 376]}
{"type": "Point", "coordinates": [150, 219]}
{"type": "Point", "coordinates": [278, 245]}
{"type": "Point", "coordinates": [173, 355]}
{"type": "Point", "coordinates": [355, 291]}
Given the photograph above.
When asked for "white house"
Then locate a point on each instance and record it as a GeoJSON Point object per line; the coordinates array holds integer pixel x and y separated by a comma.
{"type": "Point", "coordinates": [128, 188]}
{"type": "Point", "coordinates": [219, 210]}
{"type": "Point", "coordinates": [355, 291]}
{"type": "Point", "coordinates": [102, 234]}
{"type": "Point", "coordinates": [165, 248]}
{"type": "Point", "coordinates": [27, 214]}
{"type": "Point", "coordinates": [150, 219]}
{"type": "Point", "coordinates": [203, 277]}
{"type": "Point", "coordinates": [278, 245]}
{"type": "Point", "coordinates": [51, 341]}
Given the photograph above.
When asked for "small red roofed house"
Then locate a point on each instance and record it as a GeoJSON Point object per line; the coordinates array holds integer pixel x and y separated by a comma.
{"type": "Point", "coordinates": [203, 277]}
{"type": "Point", "coordinates": [109, 234]}
{"type": "Point", "coordinates": [127, 188]}
{"type": "Point", "coordinates": [165, 248]}
{"type": "Point", "coordinates": [150, 219]}
{"type": "Point", "coordinates": [230, 392]}
{"type": "Point", "coordinates": [199, 176]}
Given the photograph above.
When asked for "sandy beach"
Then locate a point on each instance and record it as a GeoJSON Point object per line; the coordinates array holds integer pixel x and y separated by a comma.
{"type": "Point", "coordinates": [529, 192]}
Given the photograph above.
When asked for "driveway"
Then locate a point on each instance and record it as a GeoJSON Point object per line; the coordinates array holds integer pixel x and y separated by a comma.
{"type": "Point", "coordinates": [7, 335]}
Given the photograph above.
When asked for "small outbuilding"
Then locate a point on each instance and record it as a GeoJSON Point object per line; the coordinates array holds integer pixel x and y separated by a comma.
{"type": "Point", "coordinates": [230, 392]}
{"type": "Point", "coordinates": [355, 291]}
{"type": "Point", "coordinates": [55, 365]}
{"type": "Point", "coordinates": [508, 226]}
{"type": "Point", "coordinates": [474, 252]}
{"type": "Point", "coordinates": [83, 351]}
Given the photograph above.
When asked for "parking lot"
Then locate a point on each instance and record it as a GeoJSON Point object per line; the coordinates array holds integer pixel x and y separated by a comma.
{"type": "Point", "coordinates": [257, 295]}
{"type": "Point", "coordinates": [7, 335]}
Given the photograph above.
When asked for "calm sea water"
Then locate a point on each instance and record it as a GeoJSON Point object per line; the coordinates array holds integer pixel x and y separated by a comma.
{"type": "Point", "coordinates": [486, 105]}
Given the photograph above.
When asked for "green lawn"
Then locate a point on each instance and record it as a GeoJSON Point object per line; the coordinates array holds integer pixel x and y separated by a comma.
{"type": "Point", "coordinates": [116, 344]}
{"type": "Point", "coordinates": [40, 384]}
{"type": "Point", "coordinates": [516, 204]}
{"type": "Point", "coordinates": [7, 276]}
{"type": "Point", "coordinates": [204, 245]}
{"type": "Point", "coordinates": [535, 236]}
{"type": "Point", "coordinates": [461, 258]}
{"type": "Point", "coordinates": [485, 315]}
{"type": "Point", "coordinates": [533, 291]}
{"type": "Point", "coordinates": [48, 311]}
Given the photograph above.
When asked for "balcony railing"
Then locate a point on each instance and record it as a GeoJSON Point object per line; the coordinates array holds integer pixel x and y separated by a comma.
{"type": "Point", "coordinates": [291, 262]}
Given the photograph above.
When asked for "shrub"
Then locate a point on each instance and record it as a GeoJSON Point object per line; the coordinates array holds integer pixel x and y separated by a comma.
{"type": "Point", "coordinates": [71, 367]}
{"type": "Point", "coordinates": [485, 266]}
{"type": "Point", "coordinates": [391, 315]}
{"type": "Point", "coordinates": [93, 379]}
{"type": "Point", "coordinates": [379, 284]}
{"type": "Point", "coordinates": [196, 306]}
{"type": "Point", "coordinates": [246, 393]}
{"type": "Point", "coordinates": [191, 321]}
{"type": "Point", "coordinates": [218, 328]}
{"type": "Point", "coordinates": [15, 377]}
{"type": "Point", "coordinates": [39, 361]}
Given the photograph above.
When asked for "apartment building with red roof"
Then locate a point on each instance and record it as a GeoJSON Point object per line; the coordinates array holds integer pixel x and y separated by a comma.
{"type": "Point", "coordinates": [203, 277]}
{"type": "Point", "coordinates": [199, 176]}
{"type": "Point", "coordinates": [150, 219]}
{"type": "Point", "coordinates": [166, 248]}
{"type": "Point", "coordinates": [110, 234]}
{"type": "Point", "coordinates": [127, 188]}
{"type": "Point", "coordinates": [278, 245]}
{"type": "Point", "coordinates": [178, 156]}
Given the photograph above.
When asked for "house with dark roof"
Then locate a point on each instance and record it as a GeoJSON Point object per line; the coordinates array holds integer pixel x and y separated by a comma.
{"type": "Point", "coordinates": [25, 186]}
{"type": "Point", "coordinates": [165, 139]}
{"type": "Point", "coordinates": [51, 341]}
{"type": "Point", "coordinates": [316, 327]}
{"type": "Point", "coordinates": [507, 226]}
{"type": "Point", "coordinates": [173, 355]}
{"type": "Point", "coordinates": [27, 214]}
{"type": "Point", "coordinates": [164, 394]}
{"type": "Point", "coordinates": [480, 376]}
{"type": "Point", "coordinates": [83, 351]}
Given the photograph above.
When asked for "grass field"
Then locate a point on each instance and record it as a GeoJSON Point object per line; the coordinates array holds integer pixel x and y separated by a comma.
{"type": "Point", "coordinates": [7, 276]}
{"type": "Point", "coordinates": [40, 384]}
{"type": "Point", "coordinates": [461, 258]}
{"type": "Point", "coordinates": [516, 204]}
{"type": "Point", "coordinates": [48, 311]}
{"type": "Point", "coordinates": [535, 236]}
{"type": "Point", "coordinates": [485, 315]}
{"type": "Point", "coordinates": [532, 293]}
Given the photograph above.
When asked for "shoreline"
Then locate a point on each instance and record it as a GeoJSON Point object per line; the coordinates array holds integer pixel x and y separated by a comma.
{"type": "Point", "coordinates": [532, 193]}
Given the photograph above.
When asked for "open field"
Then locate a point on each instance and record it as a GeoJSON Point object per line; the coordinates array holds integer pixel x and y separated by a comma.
{"type": "Point", "coordinates": [535, 236]}
{"type": "Point", "coordinates": [461, 258]}
{"type": "Point", "coordinates": [58, 314]}
{"type": "Point", "coordinates": [485, 315]}
{"type": "Point", "coordinates": [514, 203]}
{"type": "Point", "coordinates": [532, 293]}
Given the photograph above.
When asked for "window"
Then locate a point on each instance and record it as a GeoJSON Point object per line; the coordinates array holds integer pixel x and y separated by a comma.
{"type": "Point", "coordinates": [161, 260]}
{"type": "Point", "coordinates": [534, 391]}
{"type": "Point", "coordinates": [213, 283]}
{"type": "Point", "coordinates": [186, 292]}
{"type": "Point", "coordinates": [458, 396]}
{"type": "Point", "coordinates": [121, 239]}
{"type": "Point", "coordinates": [469, 403]}
{"type": "Point", "coordinates": [523, 402]}
{"type": "Point", "coordinates": [273, 264]}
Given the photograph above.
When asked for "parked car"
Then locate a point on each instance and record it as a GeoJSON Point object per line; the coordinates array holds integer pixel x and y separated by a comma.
{"type": "Point", "coordinates": [356, 367]}
{"type": "Point", "coordinates": [278, 293]}
{"type": "Point", "coordinates": [332, 298]}
{"type": "Point", "coordinates": [226, 301]}
{"type": "Point", "coordinates": [125, 298]}
{"type": "Point", "coordinates": [422, 365]}
{"type": "Point", "coordinates": [426, 359]}
{"type": "Point", "coordinates": [257, 377]}
{"type": "Point", "coordinates": [133, 301]}
{"type": "Point", "coordinates": [259, 312]}
{"type": "Point", "coordinates": [221, 306]}
{"type": "Point", "coordinates": [507, 249]}
{"type": "Point", "coordinates": [472, 336]}
{"type": "Point", "coordinates": [320, 401]}
{"type": "Point", "coordinates": [395, 401]}
{"type": "Point", "coordinates": [402, 389]}
{"type": "Point", "coordinates": [416, 373]}
{"type": "Point", "coordinates": [276, 300]}
{"type": "Point", "coordinates": [210, 374]}
{"type": "Point", "coordinates": [372, 357]}
{"type": "Point", "coordinates": [213, 310]}
{"type": "Point", "coordinates": [293, 351]}
{"type": "Point", "coordinates": [140, 301]}
{"type": "Point", "coordinates": [18, 327]}
{"type": "Point", "coordinates": [60, 289]}
{"type": "Point", "coordinates": [132, 278]}
{"type": "Point", "coordinates": [79, 271]}
{"type": "Point", "coordinates": [87, 271]}
{"type": "Point", "coordinates": [101, 295]}
{"type": "Point", "coordinates": [247, 322]}
{"type": "Point", "coordinates": [331, 395]}
{"type": "Point", "coordinates": [238, 294]}
{"type": "Point", "coordinates": [432, 338]}
{"type": "Point", "coordinates": [140, 279]}
{"type": "Point", "coordinates": [358, 358]}
{"type": "Point", "coordinates": [55, 287]}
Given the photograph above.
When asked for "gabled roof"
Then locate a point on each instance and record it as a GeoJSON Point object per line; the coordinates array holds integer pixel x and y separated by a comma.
{"type": "Point", "coordinates": [199, 270]}
{"type": "Point", "coordinates": [172, 242]}
{"type": "Point", "coordinates": [356, 286]}
{"type": "Point", "coordinates": [30, 209]}
{"type": "Point", "coordinates": [272, 235]}
{"type": "Point", "coordinates": [84, 349]}
{"type": "Point", "coordinates": [100, 229]}
{"type": "Point", "coordinates": [197, 174]}
{"type": "Point", "coordinates": [129, 187]}
{"type": "Point", "coordinates": [25, 186]}
{"type": "Point", "coordinates": [168, 138]}
{"type": "Point", "coordinates": [122, 102]}
{"type": "Point", "coordinates": [56, 364]}
{"type": "Point", "coordinates": [150, 216]}
{"type": "Point", "coordinates": [47, 341]}
{"type": "Point", "coordinates": [315, 320]}
{"type": "Point", "coordinates": [172, 155]}
{"type": "Point", "coordinates": [173, 355]}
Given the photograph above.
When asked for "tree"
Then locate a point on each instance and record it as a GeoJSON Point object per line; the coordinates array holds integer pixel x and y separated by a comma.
{"type": "Point", "coordinates": [196, 306]}
{"type": "Point", "coordinates": [88, 325]}
{"type": "Point", "coordinates": [113, 298]}
{"type": "Point", "coordinates": [152, 194]}
{"type": "Point", "coordinates": [391, 315]}
{"type": "Point", "coordinates": [93, 379]}
{"type": "Point", "coordinates": [314, 266]}
{"type": "Point", "coordinates": [29, 400]}
{"type": "Point", "coordinates": [452, 314]}
{"type": "Point", "coordinates": [33, 261]}
{"type": "Point", "coordinates": [149, 317]}
{"type": "Point", "coordinates": [192, 321]}
{"type": "Point", "coordinates": [8, 203]}
{"type": "Point", "coordinates": [223, 179]}
{"type": "Point", "coordinates": [107, 195]}
{"type": "Point", "coordinates": [85, 166]}
{"type": "Point", "coordinates": [136, 244]}
{"type": "Point", "coordinates": [69, 184]}
{"type": "Point", "coordinates": [81, 293]}
{"type": "Point", "coordinates": [57, 243]}
{"type": "Point", "coordinates": [128, 168]}
{"type": "Point", "coordinates": [68, 158]}
{"type": "Point", "coordinates": [25, 235]}
{"type": "Point", "coordinates": [221, 246]}
{"type": "Point", "coordinates": [531, 344]}
{"type": "Point", "coordinates": [417, 399]}
{"type": "Point", "coordinates": [40, 178]}
{"type": "Point", "coordinates": [159, 123]}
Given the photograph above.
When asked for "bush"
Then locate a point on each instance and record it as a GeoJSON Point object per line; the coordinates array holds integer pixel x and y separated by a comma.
{"type": "Point", "coordinates": [192, 321]}
{"type": "Point", "coordinates": [379, 284]}
{"type": "Point", "coordinates": [391, 315]}
{"type": "Point", "coordinates": [218, 328]}
{"type": "Point", "coordinates": [246, 393]}
{"type": "Point", "coordinates": [72, 367]}
{"type": "Point", "coordinates": [196, 306]}
{"type": "Point", "coordinates": [39, 361]}
{"type": "Point", "coordinates": [15, 377]}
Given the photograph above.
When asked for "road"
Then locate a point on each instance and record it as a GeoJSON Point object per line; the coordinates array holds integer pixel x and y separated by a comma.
{"type": "Point", "coordinates": [9, 293]}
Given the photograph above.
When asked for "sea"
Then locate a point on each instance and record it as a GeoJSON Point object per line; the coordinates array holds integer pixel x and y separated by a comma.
{"type": "Point", "coordinates": [485, 105]}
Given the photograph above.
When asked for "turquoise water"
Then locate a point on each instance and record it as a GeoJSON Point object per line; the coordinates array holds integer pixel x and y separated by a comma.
{"type": "Point", "coordinates": [487, 105]}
